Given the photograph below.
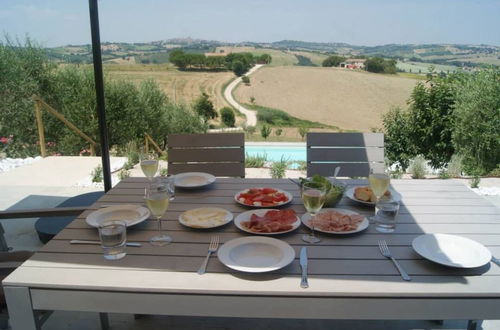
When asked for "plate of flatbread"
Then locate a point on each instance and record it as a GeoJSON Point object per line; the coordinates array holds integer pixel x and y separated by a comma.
{"type": "Point", "coordinates": [205, 217]}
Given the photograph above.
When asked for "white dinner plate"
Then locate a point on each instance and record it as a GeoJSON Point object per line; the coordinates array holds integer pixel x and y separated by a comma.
{"type": "Point", "coordinates": [204, 221]}
{"type": "Point", "coordinates": [245, 216]}
{"type": "Point", "coordinates": [451, 250]}
{"type": "Point", "coordinates": [256, 254]}
{"type": "Point", "coordinates": [130, 214]}
{"type": "Point", "coordinates": [395, 196]}
{"type": "Point", "coordinates": [287, 194]}
{"type": "Point", "coordinates": [193, 179]}
{"type": "Point", "coordinates": [362, 226]}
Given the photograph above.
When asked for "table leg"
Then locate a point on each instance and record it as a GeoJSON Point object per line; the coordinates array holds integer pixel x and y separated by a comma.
{"type": "Point", "coordinates": [474, 324]}
{"type": "Point", "coordinates": [21, 314]}
{"type": "Point", "coordinates": [103, 317]}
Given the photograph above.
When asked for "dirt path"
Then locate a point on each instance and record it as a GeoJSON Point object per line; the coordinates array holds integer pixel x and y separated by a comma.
{"type": "Point", "coordinates": [228, 94]}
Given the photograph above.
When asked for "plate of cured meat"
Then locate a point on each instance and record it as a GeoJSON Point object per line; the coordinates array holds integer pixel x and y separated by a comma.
{"type": "Point", "coordinates": [336, 221]}
{"type": "Point", "coordinates": [267, 221]}
{"type": "Point", "coordinates": [263, 197]}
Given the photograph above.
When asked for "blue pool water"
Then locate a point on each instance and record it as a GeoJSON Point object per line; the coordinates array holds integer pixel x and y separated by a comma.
{"type": "Point", "coordinates": [276, 152]}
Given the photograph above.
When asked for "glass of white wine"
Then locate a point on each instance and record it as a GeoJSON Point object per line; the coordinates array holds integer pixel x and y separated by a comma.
{"type": "Point", "coordinates": [313, 196]}
{"type": "Point", "coordinates": [149, 165]}
{"type": "Point", "coordinates": [158, 200]}
{"type": "Point", "coordinates": [379, 183]}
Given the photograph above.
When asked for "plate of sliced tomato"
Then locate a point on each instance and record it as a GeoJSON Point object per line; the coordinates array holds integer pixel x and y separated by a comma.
{"type": "Point", "coordinates": [263, 197]}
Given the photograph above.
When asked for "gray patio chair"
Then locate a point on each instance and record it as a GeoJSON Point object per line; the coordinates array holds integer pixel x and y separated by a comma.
{"type": "Point", "coordinates": [220, 154]}
{"type": "Point", "coordinates": [356, 153]}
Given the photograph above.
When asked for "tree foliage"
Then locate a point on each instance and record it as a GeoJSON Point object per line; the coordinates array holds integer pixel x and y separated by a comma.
{"type": "Point", "coordinates": [239, 63]}
{"type": "Point", "coordinates": [333, 60]}
{"type": "Point", "coordinates": [227, 116]}
{"type": "Point", "coordinates": [204, 107]}
{"type": "Point", "coordinates": [458, 114]}
{"type": "Point", "coordinates": [131, 110]}
{"type": "Point", "coordinates": [476, 134]}
{"type": "Point", "coordinates": [380, 65]}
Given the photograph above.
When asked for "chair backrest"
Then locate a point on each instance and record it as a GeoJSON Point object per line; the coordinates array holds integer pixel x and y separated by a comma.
{"type": "Point", "coordinates": [356, 153]}
{"type": "Point", "coordinates": [220, 154]}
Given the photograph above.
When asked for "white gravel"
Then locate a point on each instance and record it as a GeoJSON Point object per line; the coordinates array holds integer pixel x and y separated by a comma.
{"type": "Point", "coordinates": [8, 164]}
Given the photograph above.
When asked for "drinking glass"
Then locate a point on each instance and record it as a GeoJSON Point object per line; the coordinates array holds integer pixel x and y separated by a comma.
{"type": "Point", "coordinates": [313, 196]}
{"type": "Point", "coordinates": [379, 182]}
{"type": "Point", "coordinates": [168, 183]}
{"type": "Point", "coordinates": [158, 199]}
{"type": "Point", "coordinates": [149, 165]}
{"type": "Point", "coordinates": [386, 211]}
{"type": "Point", "coordinates": [113, 237]}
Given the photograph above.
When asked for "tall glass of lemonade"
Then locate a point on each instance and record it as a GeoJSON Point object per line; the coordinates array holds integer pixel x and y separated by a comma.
{"type": "Point", "coordinates": [379, 183]}
{"type": "Point", "coordinates": [158, 200]}
{"type": "Point", "coordinates": [313, 196]}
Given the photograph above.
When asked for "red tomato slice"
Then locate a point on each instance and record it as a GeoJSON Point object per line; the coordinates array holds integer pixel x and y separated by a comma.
{"type": "Point", "coordinates": [268, 190]}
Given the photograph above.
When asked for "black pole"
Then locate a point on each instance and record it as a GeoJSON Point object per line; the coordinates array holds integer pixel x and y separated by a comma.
{"type": "Point", "coordinates": [99, 91]}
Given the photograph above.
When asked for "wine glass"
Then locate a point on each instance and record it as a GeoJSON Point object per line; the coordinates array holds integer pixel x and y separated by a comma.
{"type": "Point", "coordinates": [379, 182]}
{"type": "Point", "coordinates": [149, 165]}
{"type": "Point", "coordinates": [158, 199]}
{"type": "Point", "coordinates": [313, 196]}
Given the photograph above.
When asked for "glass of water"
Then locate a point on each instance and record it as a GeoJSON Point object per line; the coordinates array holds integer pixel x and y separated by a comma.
{"type": "Point", "coordinates": [113, 237]}
{"type": "Point", "coordinates": [386, 211]}
{"type": "Point", "coordinates": [167, 183]}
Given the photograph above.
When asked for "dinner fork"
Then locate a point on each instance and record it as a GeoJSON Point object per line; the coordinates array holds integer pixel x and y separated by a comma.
{"type": "Point", "coordinates": [214, 244]}
{"type": "Point", "coordinates": [384, 249]}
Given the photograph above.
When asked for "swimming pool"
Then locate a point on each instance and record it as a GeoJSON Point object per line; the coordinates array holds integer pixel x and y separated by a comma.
{"type": "Point", "coordinates": [276, 151]}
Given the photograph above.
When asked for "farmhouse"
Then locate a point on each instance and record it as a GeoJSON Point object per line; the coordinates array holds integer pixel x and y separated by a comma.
{"type": "Point", "coordinates": [353, 63]}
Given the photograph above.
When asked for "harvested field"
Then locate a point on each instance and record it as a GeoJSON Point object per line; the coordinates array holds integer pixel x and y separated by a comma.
{"type": "Point", "coordinates": [348, 99]}
{"type": "Point", "coordinates": [180, 86]}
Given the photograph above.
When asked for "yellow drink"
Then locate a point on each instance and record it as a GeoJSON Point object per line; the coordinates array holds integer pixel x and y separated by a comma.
{"type": "Point", "coordinates": [313, 200]}
{"type": "Point", "coordinates": [379, 182]}
{"type": "Point", "coordinates": [158, 204]}
{"type": "Point", "coordinates": [149, 167]}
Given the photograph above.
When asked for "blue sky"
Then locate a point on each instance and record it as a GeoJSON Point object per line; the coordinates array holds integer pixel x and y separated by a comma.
{"type": "Point", "coordinates": [361, 22]}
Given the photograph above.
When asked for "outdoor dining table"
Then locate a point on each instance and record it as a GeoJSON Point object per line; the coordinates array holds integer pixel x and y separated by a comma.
{"type": "Point", "coordinates": [348, 276]}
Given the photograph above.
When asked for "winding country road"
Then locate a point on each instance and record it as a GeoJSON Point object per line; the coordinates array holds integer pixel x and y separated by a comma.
{"type": "Point", "coordinates": [228, 94]}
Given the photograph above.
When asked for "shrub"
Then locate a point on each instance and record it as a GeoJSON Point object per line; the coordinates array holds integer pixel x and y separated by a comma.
{"type": "Point", "coordinates": [278, 131]}
{"type": "Point", "coordinates": [474, 181]}
{"type": "Point", "coordinates": [123, 174]}
{"type": "Point", "coordinates": [245, 80]}
{"type": "Point", "coordinates": [265, 131]}
{"type": "Point", "coordinates": [204, 107]}
{"type": "Point", "coordinates": [250, 129]}
{"type": "Point", "coordinates": [227, 116]}
{"type": "Point", "coordinates": [454, 168]}
{"type": "Point", "coordinates": [278, 169]}
{"type": "Point", "coordinates": [97, 174]}
{"type": "Point", "coordinates": [255, 161]}
{"type": "Point", "coordinates": [476, 134]}
{"type": "Point", "coordinates": [418, 167]}
{"type": "Point", "coordinates": [399, 148]}
{"type": "Point", "coordinates": [131, 110]}
{"type": "Point", "coordinates": [303, 131]}
{"type": "Point", "coordinates": [163, 171]}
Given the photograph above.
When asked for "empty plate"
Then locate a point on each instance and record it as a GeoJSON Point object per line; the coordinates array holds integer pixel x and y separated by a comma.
{"type": "Point", "coordinates": [193, 179]}
{"type": "Point", "coordinates": [256, 254]}
{"type": "Point", "coordinates": [130, 214]}
{"type": "Point", "coordinates": [451, 250]}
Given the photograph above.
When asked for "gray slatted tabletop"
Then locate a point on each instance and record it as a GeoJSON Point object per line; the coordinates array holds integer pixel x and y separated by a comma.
{"type": "Point", "coordinates": [348, 277]}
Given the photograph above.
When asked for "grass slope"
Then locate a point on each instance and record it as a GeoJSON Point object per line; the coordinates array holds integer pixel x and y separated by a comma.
{"type": "Point", "coordinates": [347, 99]}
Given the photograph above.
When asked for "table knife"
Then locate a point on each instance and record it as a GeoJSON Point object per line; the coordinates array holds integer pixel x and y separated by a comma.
{"type": "Point", "coordinates": [303, 264]}
{"type": "Point", "coordinates": [77, 241]}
